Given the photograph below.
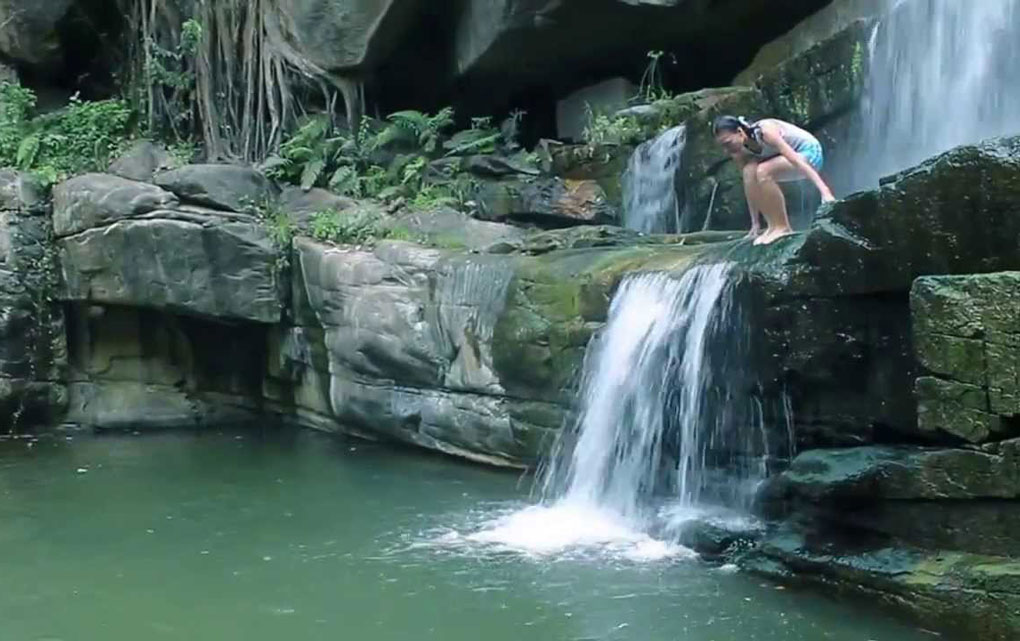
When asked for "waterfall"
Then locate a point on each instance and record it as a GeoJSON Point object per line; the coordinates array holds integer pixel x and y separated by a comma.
{"type": "Point", "coordinates": [668, 423]}
{"type": "Point", "coordinates": [943, 73]}
{"type": "Point", "coordinates": [650, 203]}
{"type": "Point", "coordinates": [664, 387]}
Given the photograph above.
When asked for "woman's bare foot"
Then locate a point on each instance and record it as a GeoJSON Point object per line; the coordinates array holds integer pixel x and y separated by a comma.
{"type": "Point", "coordinates": [773, 235]}
{"type": "Point", "coordinates": [754, 233]}
{"type": "Point", "coordinates": [760, 240]}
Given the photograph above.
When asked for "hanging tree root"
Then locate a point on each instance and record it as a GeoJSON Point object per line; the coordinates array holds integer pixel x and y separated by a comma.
{"type": "Point", "coordinates": [240, 85]}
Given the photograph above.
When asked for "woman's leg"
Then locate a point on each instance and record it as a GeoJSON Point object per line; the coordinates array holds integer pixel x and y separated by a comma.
{"type": "Point", "coordinates": [750, 172]}
{"type": "Point", "coordinates": [770, 197]}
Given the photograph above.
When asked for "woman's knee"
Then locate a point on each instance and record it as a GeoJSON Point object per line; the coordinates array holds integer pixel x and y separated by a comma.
{"type": "Point", "coordinates": [750, 172]}
{"type": "Point", "coordinates": [763, 172]}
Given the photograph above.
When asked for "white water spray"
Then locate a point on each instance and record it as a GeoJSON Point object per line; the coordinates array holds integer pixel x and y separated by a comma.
{"type": "Point", "coordinates": [646, 370]}
{"type": "Point", "coordinates": [943, 73]}
{"type": "Point", "coordinates": [650, 203]}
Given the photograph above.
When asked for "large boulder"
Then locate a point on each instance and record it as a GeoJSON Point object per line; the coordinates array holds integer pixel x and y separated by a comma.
{"type": "Point", "coordinates": [862, 475]}
{"type": "Point", "coordinates": [202, 265]}
{"type": "Point", "coordinates": [142, 161]}
{"type": "Point", "coordinates": [925, 527]}
{"type": "Point", "coordinates": [28, 30]}
{"type": "Point", "coordinates": [95, 200]}
{"type": "Point", "coordinates": [349, 35]}
{"type": "Point", "coordinates": [226, 187]}
{"type": "Point", "coordinates": [546, 202]}
{"type": "Point", "coordinates": [818, 27]}
{"type": "Point", "coordinates": [121, 242]}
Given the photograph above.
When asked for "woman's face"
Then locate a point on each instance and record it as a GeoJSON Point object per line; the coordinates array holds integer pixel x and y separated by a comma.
{"type": "Point", "coordinates": [731, 141]}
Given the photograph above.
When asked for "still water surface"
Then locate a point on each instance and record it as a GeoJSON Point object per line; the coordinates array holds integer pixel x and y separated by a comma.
{"type": "Point", "coordinates": [225, 536]}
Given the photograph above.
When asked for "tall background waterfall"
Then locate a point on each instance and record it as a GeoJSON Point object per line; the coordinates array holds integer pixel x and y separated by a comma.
{"type": "Point", "coordinates": [650, 202]}
{"type": "Point", "coordinates": [943, 73]}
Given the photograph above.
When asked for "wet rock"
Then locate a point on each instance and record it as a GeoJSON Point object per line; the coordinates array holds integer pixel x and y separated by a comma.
{"type": "Point", "coordinates": [94, 200]}
{"type": "Point", "coordinates": [971, 594]}
{"type": "Point", "coordinates": [545, 201]}
{"type": "Point", "coordinates": [226, 187]}
{"type": "Point", "coordinates": [967, 335]}
{"type": "Point", "coordinates": [919, 222]}
{"type": "Point", "coordinates": [876, 473]}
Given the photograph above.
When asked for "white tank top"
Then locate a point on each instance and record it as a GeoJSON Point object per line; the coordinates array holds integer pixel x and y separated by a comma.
{"type": "Point", "coordinates": [799, 139]}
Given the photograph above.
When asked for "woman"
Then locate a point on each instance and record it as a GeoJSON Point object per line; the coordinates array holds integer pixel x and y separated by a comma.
{"type": "Point", "coordinates": [769, 152]}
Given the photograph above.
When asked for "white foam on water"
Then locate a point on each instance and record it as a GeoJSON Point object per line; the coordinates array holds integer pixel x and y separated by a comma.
{"type": "Point", "coordinates": [565, 529]}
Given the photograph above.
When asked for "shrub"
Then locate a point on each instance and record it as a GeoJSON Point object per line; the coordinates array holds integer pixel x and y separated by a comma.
{"type": "Point", "coordinates": [81, 137]}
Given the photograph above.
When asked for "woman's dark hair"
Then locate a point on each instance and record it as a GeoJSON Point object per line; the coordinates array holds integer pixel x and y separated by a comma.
{"type": "Point", "coordinates": [731, 124]}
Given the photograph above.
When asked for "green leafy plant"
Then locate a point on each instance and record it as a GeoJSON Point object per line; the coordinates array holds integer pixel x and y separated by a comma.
{"type": "Point", "coordinates": [386, 161]}
{"type": "Point", "coordinates": [358, 227]}
{"type": "Point", "coordinates": [279, 226]}
{"type": "Point", "coordinates": [81, 137]}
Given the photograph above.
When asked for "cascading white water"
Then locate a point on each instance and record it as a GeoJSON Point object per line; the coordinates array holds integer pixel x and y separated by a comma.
{"type": "Point", "coordinates": [942, 73]}
{"type": "Point", "coordinates": [652, 355]}
{"type": "Point", "coordinates": [666, 423]}
{"type": "Point", "coordinates": [664, 408]}
{"type": "Point", "coordinates": [650, 203]}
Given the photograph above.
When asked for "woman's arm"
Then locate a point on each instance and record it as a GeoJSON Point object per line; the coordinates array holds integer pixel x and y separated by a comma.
{"type": "Point", "coordinates": [773, 137]}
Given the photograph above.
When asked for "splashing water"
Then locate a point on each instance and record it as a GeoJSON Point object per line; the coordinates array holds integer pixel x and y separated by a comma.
{"type": "Point", "coordinates": [663, 404]}
{"type": "Point", "coordinates": [650, 199]}
{"type": "Point", "coordinates": [943, 73]}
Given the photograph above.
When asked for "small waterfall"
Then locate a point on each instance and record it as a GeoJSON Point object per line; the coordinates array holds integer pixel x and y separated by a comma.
{"type": "Point", "coordinates": [669, 423]}
{"type": "Point", "coordinates": [664, 387]}
{"type": "Point", "coordinates": [943, 73]}
{"type": "Point", "coordinates": [650, 203]}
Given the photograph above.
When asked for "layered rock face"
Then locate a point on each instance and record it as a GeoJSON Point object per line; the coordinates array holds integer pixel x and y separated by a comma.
{"type": "Point", "coordinates": [469, 354]}
{"type": "Point", "coordinates": [182, 311]}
